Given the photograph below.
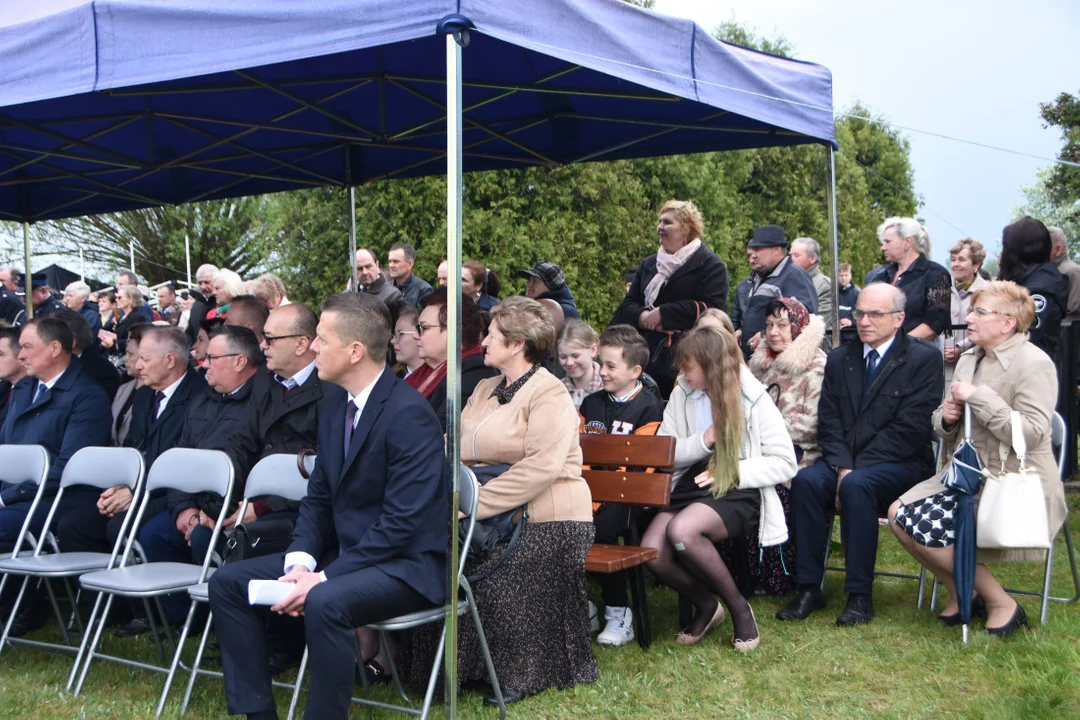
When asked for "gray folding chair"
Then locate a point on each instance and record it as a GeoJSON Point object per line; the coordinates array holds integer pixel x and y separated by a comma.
{"type": "Point", "coordinates": [189, 471]}
{"type": "Point", "coordinates": [276, 475]}
{"type": "Point", "coordinates": [98, 467]}
{"type": "Point", "coordinates": [1058, 435]}
{"type": "Point", "coordinates": [468, 500]}
{"type": "Point", "coordinates": [20, 464]}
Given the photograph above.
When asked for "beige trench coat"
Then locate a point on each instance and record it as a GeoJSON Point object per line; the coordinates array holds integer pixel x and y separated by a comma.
{"type": "Point", "coordinates": [1019, 377]}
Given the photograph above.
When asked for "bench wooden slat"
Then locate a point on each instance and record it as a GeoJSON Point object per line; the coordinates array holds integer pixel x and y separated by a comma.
{"type": "Point", "coordinates": [612, 558]}
{"type": "Point", "coordinates": [629, 488]}
{"type": "Point", "coordinates": [649, 451]}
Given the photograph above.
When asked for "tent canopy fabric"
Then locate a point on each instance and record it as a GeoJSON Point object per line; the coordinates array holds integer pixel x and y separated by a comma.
{"type": "Point", "coordinates": [109, 105]}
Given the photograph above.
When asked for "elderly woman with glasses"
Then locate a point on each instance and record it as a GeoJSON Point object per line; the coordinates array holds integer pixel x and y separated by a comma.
{"type": "Point", "coordinates": [431, 342]}
{"type": "Point", "coordinates": [1003, 373]}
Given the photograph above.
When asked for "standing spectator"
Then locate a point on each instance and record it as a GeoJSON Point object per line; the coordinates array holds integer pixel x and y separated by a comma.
{"type": "Point", "coordinates": [45, 303]}
{"type": "Point", "coordinates": [443, 273]}
{"type": "Point", "coordinates": [773, 275]}
{"type": "Point", "coordinates": [806, 253]}
{"type": "Point", "coordinates": [126, 278]}
{"type": "Point", "coordinates": [227, 285]}
{"type": "Point", "coordinates": [371, 278]}
{"type": "Point", "coordinates": [77, 298]}
{"type": "Point", "coordinates": [11, 370]}
{"type": "Point", "coordinates": [874, 431]}
{"type": "Point", "coordinates": [204, 300]}
{"type": "Point", "coordinates": [168, 304]}
{"type": "Point", "coordinates": [1059, 253]}
{"type": "Point", "coordinates": [924, 283]}
{"type": "Point", "coordinates": [128, 300]}
{"type": "Point", "coordinates": [110, 314]}
{"type": "Point", "coordinates": [269, 288]}
{"type": "Point", "coordinates": [481, 284]}
{"type": "Point", "coordinates": [848, 297]}
{"type": "Point", "coordinates": [545, 281]}
{"type": "Point", "coordinates": [577, 347]}
{"type": "Point", "coordinates": [1025, 259]}
{"type": "Point", "coordinates": [965, 260]}
{"type": "Point", "coordinates": [673, 287]}
{"type": "Point", "coordinates": [94, 365]}
{"type": "Point", "coordinates": [12, 309]}
{"type": "Point", "coordinates": [401, 261]}
{"type": "Point", "coordinates": [406, 343]}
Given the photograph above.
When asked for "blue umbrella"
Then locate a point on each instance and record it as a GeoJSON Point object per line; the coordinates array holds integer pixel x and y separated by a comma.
{"type": "Point", "coordinates": [964, 475]}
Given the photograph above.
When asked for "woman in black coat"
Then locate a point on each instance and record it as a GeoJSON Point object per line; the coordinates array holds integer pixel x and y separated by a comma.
{"type": "Point", "coordinates": [672, 288]}
{"type": "Point", "coordinates": [1025, 259]}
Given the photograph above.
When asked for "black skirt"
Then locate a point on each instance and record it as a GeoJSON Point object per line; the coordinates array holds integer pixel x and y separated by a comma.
{"type": "Point", "coordinates": [738, 508]}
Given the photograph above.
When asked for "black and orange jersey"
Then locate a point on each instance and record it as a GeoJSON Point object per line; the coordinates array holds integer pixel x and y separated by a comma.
{"type": "Point", "coordinates": [640, 414]}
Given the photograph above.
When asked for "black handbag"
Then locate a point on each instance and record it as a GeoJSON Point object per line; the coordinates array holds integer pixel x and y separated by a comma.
{"type": "Point", "coordinates": [264, 537]}
{"type": "Point", "coordinates": [506, 527]}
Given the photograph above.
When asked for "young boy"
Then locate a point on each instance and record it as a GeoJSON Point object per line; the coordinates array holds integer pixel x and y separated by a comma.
{"type": "Point", "coordinates": [623, 407]}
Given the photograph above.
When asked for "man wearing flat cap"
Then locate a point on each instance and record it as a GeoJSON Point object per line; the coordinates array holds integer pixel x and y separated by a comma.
{"type": "Point", "coordinates": [45, 303]}
{"type": "Point", "coordinates": [773, 275]}
{"type": "Point", "coordinates": [547, 282]}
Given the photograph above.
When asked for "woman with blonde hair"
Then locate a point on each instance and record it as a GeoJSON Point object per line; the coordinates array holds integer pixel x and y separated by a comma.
{"type": "Point", "coordinates": [716, 318]}
{"type": "Point", "coordinates": [576, 347]}
{"type": "Point", "coordinates": [731, 449]}
{"type": "Point", "coordinates": [965, 260]}
{"type": "Point", "coordinates": [227, 286]}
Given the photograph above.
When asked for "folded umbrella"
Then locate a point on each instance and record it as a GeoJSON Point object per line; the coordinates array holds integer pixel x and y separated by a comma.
{"type": "Point", "coordinates": [965, 476]}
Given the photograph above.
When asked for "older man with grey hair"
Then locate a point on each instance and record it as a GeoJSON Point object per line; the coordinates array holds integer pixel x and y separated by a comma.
{"type": "Point", "coordinates": [203, 300]}
{"type": "Point", "coordinates": [806, 253]}
{"type": "Point", "coordinates": [1059, 253]}
{"type": "Point", "coordinates": [77, 298]}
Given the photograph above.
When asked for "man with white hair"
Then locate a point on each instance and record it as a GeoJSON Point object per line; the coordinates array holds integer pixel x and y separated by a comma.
{"type": "Point", "coordinates": [77, 297]}
{"type": "Point", "coordinates": [1059, 253]}
{"type": "Point", "coordinates": [806, 253]}
{"type": "Point", "coordinates": [204, 300]}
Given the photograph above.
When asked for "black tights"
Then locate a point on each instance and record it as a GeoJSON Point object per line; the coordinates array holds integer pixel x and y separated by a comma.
{"type": "Point", "coordinates": [689, 564]}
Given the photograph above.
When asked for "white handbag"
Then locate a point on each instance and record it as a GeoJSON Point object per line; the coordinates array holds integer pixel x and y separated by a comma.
{"type": "Point", "coordinates": [1012, 508]}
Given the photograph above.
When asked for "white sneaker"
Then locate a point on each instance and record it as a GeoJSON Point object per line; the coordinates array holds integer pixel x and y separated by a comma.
{"type": "Point", "coordinates": [618, 628]}
{"type": "Point", "coordinates": [594, 621]}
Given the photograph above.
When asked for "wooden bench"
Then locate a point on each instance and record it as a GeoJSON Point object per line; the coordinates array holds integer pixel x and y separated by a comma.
{"type": "Point", "coordinates": [635, 487]}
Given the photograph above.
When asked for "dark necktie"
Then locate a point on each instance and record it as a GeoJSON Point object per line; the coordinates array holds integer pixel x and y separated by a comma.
{"type": "Point", "coordinates": [872, 360]}
{"type": "Point", "coordinates": [156, 407]}
{"type": "Point", "coordinates": [350, 419]}
{"type": "Point", "coordinates": [38, 392]}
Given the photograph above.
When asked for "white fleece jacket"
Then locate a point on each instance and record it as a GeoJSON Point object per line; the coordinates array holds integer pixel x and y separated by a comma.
{"type": "Point", "coordinates": [766, 452]}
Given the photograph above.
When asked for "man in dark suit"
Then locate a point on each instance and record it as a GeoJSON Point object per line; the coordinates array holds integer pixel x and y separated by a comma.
{"type": "Point", "coordinates": [95, 365]}
{"type": "Point", "coordinates": [12, 309]}
{"type": "Point", "coordinates": [58, 407]}
{"type": "Point", "coordinates": [11, 370]}
{"type": "Point", "coordinates": [875, 434]}
{"type": "Point", "coordinates": [370, 541]}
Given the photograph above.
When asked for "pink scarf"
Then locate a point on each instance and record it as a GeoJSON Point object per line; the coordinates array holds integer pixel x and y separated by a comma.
{"type": "Point", "coordinates": [666, 264]}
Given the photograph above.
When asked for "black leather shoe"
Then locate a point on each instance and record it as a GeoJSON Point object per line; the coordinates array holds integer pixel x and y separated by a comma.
{"type": "Point", "coordinates": [806, 602]}
{"type": "Point", "coordinates": [509, 697]}
{"type": "Point", "coordinates": [978, 610]}
{"type": "Point", "coordinates": [138, 626]}
{"type": "Point", "coordinates": [1018, 620]}
{"type": "Point", "coordinates": [282, 660]}
{"type": "Point", "coordinates": [27, 621]}
{"type": "Point", "coordinates": [858, 611]}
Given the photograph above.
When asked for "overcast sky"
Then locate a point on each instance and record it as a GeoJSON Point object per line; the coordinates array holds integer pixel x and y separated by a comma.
{"type": "Point", "coordinates": [973, 70]}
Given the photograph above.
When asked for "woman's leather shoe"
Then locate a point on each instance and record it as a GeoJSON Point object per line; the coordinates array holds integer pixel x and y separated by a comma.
{"type": "Point", "coordinates": [978, 610]}
{"type": "Point", "coordinates": [717, 618]}
{"type": "Point", "coordinates": [1018, 620]}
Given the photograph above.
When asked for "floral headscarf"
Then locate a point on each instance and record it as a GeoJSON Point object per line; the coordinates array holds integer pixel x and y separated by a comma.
{"type": "Point", "coordinates": [798, 315]}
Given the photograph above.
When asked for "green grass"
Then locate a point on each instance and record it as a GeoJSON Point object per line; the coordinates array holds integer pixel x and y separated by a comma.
{"type": "Point", "coordinates": [904, 664]}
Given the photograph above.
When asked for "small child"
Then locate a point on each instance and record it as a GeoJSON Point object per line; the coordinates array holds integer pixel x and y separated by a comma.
{"type": "Point", "coordinates": [623, 407]}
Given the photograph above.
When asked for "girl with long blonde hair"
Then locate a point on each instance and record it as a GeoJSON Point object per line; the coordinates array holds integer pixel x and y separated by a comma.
{"type": "Point", "coordinates": [732, 447]}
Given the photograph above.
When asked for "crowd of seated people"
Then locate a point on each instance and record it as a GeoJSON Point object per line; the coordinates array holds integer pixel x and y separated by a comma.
{"type": "Point", "coordinates": [773, 437]}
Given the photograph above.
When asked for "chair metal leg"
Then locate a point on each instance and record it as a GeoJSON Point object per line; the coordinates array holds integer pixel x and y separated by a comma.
{"type": "Point", "coordinates": [1072, 562]}
{"type": "Point", "coordinates": [1045, 605]}
{"type": "Point", "coordinates": [14, 611]}
{"type": "Point", "coordinates": [93, 645]}
{"type": "Point", "coordinates": [176, 654]}
{"type": "Point", "coordinates": [165, 623]}
{"type": "Point", "coordinates": [74, 598]}
{"type": "Point", "coordinates": [933, 595]}
{"type": "Point", "coordinates": [299, 682]}
{"type": "Point", "coordinates": [430, 692]}
{"type": "Point", "coordinates": [393, 666]}
{"type": "Point", "coordinates": [85, 640]}
{"type": "Point", "coordinates": [56, 612]}
{"type": "Point", "coordinates": [488, 662]}
{"type": "Point", "coordinates": [922, 588]}
{"type": "Point", "coordinates": [364, 683]}
{"type": "Point", "coordinates": [828, 550]}
{"type": "Point", "coordinates": [153, 629]}
{"type": "Point", "coordinates": [635, 578]}
{"type": "Point", "coordinates": [195, 666]}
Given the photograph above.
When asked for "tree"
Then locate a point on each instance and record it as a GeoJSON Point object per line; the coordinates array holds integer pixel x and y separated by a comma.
{"type": "Point", "coordinates": [225, 233]}
{"type": "Point", "coordinates": [1040, 203]}
{"type": "Point", "coordinates": [1062, 183]}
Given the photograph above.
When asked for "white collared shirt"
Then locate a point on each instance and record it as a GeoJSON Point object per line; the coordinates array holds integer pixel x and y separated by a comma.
{"type": "Point", "coordinates": [881, 349]}
{"type": "Point", "coordinates": [48, 385]}
{"type": "Point", "coordinates": [302, 377]}
{"type": "Point", "coordinates": [168, 393]}
{"type": "Point", "coordinates": [303, 558]}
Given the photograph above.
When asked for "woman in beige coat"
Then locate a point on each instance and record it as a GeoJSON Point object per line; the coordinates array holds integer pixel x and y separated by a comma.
{"type": "Point", "coordinates": [1003, 373]}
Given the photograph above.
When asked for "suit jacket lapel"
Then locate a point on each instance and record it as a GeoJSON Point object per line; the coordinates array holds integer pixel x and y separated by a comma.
{"type": "Point", "coordinates": [853, 374]}
{"type": "Point", "coordinates": [372, 410]}
{"type": "Point", "coordinates": [298, 396]}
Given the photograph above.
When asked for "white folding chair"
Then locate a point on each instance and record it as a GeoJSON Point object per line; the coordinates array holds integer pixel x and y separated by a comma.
{"type": "Point", "coordinates": [189, 471]}
{"type": "Point", "coordinates": [99, 467]}
{"type": "Point", "coordinates": [468, 500]}
{"type": "Point", "coordinates": [1058, 435]}
{"type": "Point", "coordinates": [21, 464]}
{"type": "Point", "coordinates": [276, 475]}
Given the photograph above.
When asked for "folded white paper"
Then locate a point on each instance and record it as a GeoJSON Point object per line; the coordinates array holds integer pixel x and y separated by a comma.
{"type": "Point", "coordinates": [268, 592]}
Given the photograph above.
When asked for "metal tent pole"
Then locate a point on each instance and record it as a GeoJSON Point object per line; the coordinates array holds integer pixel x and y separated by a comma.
{"type": "Point", "coordinates": [187, 256]}
{"type": "Point", "coordinates": [131, 255]}
{"type": "Point", "coordinates": [82, 265]}
{"type": "Point", "coordinates": [352, 238]}
{"type": "Point", "coordinates": [27, 284]}
{"type": "Point", "coordinates": [455, 40]}
{"type": "Point", "coordinates": [834, 241]}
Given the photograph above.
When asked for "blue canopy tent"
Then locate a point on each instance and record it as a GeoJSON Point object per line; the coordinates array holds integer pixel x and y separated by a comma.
{"type": "Point", "coordinates": [110, 105]}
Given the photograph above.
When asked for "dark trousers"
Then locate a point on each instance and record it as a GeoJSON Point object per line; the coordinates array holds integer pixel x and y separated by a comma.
{"type": "Point", "coordinates": [865, 495]}
{"type": "Point", "coordinates": [612, 521]}
{"type": "Point", "coordinates": [331, 613]}
{"type": "Point", "coordinates": [162, 542]}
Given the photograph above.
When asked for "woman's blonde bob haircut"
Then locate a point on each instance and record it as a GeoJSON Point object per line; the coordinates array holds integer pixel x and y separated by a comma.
{"type": "Point", "coordinates": [522, 319]}
{"type": "Point", "coordinates": [1011, 300]}
{"type": "Point", "coordinates": [687, 215]}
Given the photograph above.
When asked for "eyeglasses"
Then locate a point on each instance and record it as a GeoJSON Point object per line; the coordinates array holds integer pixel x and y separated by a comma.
{"type": "Point", "coordinates": [874, 315]}
{"type": "Point", "coordinates": [403, 333]}
{"type": "Point", "coordinates": [212, 358]}
{"type": "Point", "coordinates": [270, 339]}
{"type": "Point", "coordinates": [421, 329]}
{"type": "Point", "coordinates": [983, 312]}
